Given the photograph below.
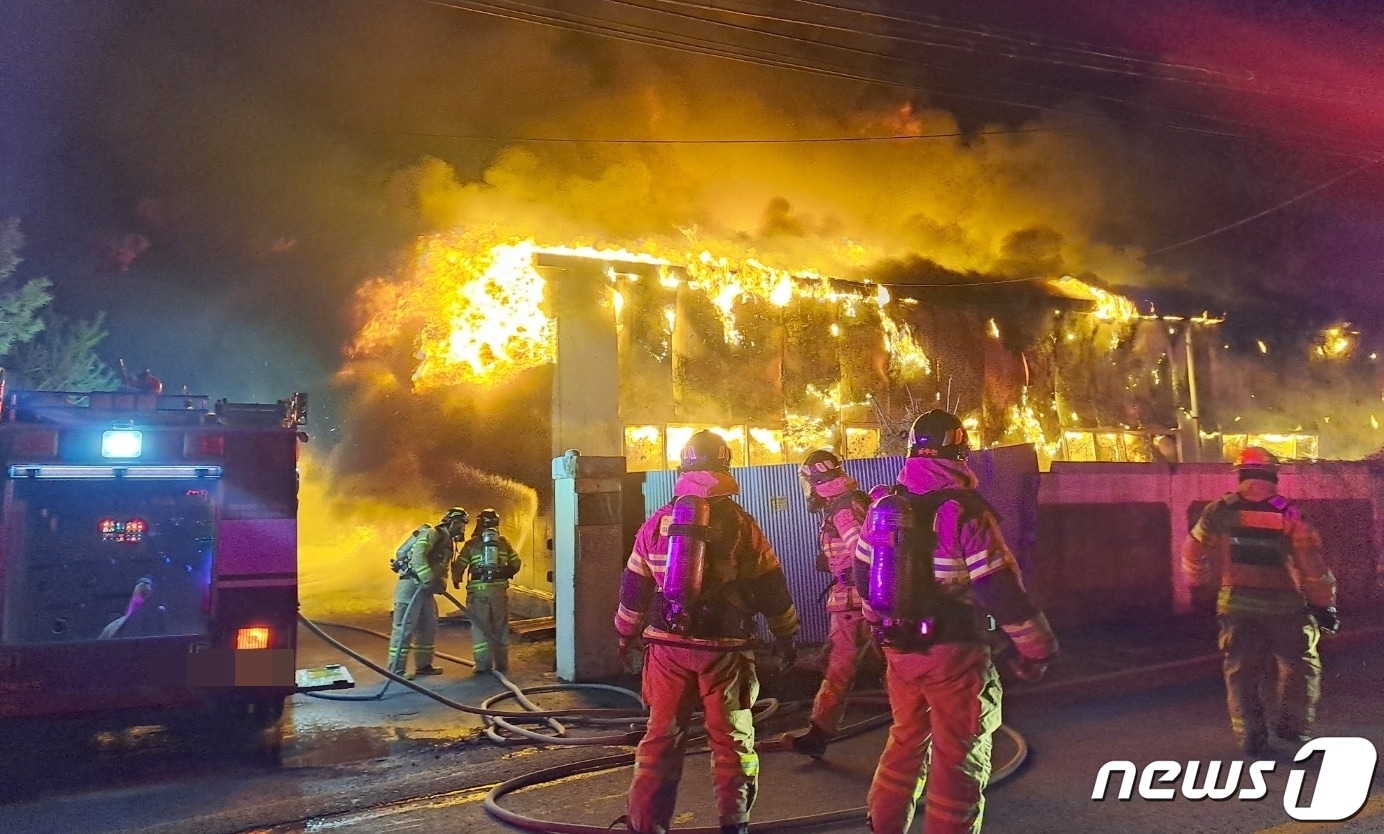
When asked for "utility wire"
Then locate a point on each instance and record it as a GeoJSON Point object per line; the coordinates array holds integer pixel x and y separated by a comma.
{"type": "Point", "coordinates": [1233, 78]}
{"type": "Point", "coordinates": [911, 62]}
{"type": "Point", "coordinates": [815, 140]}
{"type": "Point", "coordinates": [665, 40]}
{"type": "Point", "coordinates": [1313, 190]}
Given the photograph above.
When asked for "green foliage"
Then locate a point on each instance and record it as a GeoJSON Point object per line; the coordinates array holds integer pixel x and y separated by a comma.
{"type": "Point", "coordinates": [44, 352]}
{"type": "Point", "coordinates": [63, 358]}
{"type": "Point", "coordinates": [19, 307]}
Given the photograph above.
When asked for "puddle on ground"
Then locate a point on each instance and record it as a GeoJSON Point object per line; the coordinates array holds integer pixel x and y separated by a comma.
{"type": "Point", "coordinates": [322, 747]}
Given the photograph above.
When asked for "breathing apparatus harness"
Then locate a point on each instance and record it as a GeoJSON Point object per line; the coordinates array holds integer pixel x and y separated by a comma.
{"type": "Point", "coordinates": [917, 611]}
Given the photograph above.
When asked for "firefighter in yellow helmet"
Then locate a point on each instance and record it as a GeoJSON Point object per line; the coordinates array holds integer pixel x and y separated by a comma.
{"type": "Point", "coordinates": [422, 568]}
{"type": "Point", "coordinates": [1277, 596]}
{"type": "Point", "coordinates": [830, 491]}
{"type": "Point", "coordinates": [700, 571]}
{"type": "Point", "coordinates": [935, 576]}
{"type": "Point", "coordinates": [487, 563]}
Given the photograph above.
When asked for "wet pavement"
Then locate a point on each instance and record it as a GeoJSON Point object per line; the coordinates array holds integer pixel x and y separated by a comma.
{"type": "Point", "coordinates": [404, 751]}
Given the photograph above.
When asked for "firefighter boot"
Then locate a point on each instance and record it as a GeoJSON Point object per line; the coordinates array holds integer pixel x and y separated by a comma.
{"type": "Point", "coordinates": [1292, 735]}
{"type": "Point", "coordinates": [423, 671]}
{"type": "Point", "coordinates": [811, 743]}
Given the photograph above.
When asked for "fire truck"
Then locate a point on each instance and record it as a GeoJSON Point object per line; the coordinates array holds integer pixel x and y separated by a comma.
{"type": "Point", "coordinates": [148, 554]}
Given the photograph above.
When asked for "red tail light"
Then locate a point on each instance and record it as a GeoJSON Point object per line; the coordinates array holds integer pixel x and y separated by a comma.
{"type": "Point", "coordinates": [255, 637]}
{"type": "Point", "coordinates": [204, 446]}
{"type": "Point", "coordinates": [35, 444]}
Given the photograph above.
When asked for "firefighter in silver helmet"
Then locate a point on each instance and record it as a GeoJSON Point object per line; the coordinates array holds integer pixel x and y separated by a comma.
{"type": "Point", "coordinates": [700, 571]}
{"type": "Point", "coordinates": [830, 491]}
{"type": "Point", "coordinates": [423, 572]}
{"type": "Point", "coordinates": [934, 574]}
{"type": "Point", "coordinates": [1277, 596]}
{"type": "Point", "coordinates": [487, 563]}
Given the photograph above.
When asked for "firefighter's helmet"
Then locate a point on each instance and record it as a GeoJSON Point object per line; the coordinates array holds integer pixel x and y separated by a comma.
{"type": "Point", "coordinates": [1257, 463]}
{"type": "Point", "coordinates": [937, 434]}
{"type": "Point", "coordinates": [488, 519]}
{"type": "Point", "coordinates": [706, 451]}
{"type": "Point", "coordinates": [454, 521]}
{"type": "Point", "coordinates": [820, 466]}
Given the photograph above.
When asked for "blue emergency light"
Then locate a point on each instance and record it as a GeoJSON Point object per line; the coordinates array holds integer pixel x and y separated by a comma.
{"type": "Point", "coordinates": [122, 443]}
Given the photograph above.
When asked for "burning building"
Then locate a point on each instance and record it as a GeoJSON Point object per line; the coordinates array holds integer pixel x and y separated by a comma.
{"type": "Point", "coordinates": [784, 361]}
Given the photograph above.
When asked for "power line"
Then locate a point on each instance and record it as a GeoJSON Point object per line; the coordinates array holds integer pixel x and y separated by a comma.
{"type": "Point", "coordinates": [1313, 190]}
{"type": "Point", "coordinates": [659, 38]}
{"type": "Point", "coordinates": [913, 62]}
{"type": "Point", "coordinates": [582, 140]}
{"type": "Point", "coordinates": [1048, 43]}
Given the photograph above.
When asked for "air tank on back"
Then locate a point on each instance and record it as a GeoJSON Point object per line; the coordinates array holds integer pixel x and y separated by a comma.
{"type": "Point", "coordinates": [687, 534]}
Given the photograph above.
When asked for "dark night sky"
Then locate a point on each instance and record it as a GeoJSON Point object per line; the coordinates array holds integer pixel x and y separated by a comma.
{"type": "Point", "coordinates": [256, 146]}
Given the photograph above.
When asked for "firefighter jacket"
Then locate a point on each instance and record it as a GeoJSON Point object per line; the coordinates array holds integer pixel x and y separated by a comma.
{"type": "Point", "coordinates": [742, 576]}
{"type": "Point", "coordinates": [971, 562]}
{"type": "Point", "coordinates": [839, 539]}
{"type": "Point", "coordinates": [472, 566]}
{"type": "Point", "coordinates": [1267, 559]}
{"type": "Point", "coordinates": [430, 556]}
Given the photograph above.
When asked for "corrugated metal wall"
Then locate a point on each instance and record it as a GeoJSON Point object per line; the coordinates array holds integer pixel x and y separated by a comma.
{"type": "Point", "coordinates": [1009, 479]}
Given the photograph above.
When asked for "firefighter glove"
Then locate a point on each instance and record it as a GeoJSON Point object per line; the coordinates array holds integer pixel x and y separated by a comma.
{"type": "Point", "coordinates": [786, 652]}
{"type": "Point", "coordinates": [1030, 669]}
{"type": "Point", "coordinates": [1327, 619]}
{"type": "Point", "coordinates": [630, 648]}
{"type": "Point", "coordinates": [437, 586]}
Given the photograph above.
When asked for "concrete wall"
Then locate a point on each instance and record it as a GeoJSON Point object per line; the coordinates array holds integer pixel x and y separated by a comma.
{"type": "Point", "coordinates": [1110, 534]}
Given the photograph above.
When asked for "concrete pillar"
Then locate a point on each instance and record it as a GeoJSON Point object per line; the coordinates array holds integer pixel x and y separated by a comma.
{"type": "Point", "coordinates": [586, 381]}
{"type": "Point", "coordinates": [588, 558]}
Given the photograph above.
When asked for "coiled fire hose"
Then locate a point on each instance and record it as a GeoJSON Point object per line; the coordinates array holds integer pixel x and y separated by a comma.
{"type": "Point", "coordinates": [497, 720]}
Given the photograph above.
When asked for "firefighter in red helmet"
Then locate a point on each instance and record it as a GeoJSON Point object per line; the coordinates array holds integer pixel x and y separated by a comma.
{"type": "Point", "coordinates": [1277, 596]}
{"type": "Point", "coordinates": [935, 575]}
{"type": "Point", "coordinates": [700, 571]}
{"type": "Point", "coordinates": [830, 491]}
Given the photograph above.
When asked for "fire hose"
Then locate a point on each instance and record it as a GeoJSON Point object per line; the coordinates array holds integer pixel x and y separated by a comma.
{"type": "Point", "coordinates": [497, 720]}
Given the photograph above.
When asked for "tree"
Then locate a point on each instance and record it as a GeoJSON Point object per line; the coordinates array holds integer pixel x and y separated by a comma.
{"type": "Point", "coordinates": [19, 307]}
{"type": "Point", "coordinates": [44, 351]}
{"type": "Point", "coordinates": [63, 357]}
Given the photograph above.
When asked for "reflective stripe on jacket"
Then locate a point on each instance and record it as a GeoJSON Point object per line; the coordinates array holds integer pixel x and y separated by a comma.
{"type": "Point", "coordinates": [1267, 558]}
{"type": "Point", "coordinates": [430, 555]}
{"type": "Point", "coordinates": [970, 559]}
{"type": "Point", "coordinates": [469, 564]}
{"type": "Point", "coordinates": [742, 575]}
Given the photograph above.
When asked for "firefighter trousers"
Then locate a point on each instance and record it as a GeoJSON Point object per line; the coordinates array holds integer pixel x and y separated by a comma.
{"type": "Point", "coordinates": [488, 609]}
{"type": "Point", "coordinates": [849, 639]}
{"type": "Point", "coordinates": [952, 693]}
{"type": "Point", "coordinates": [1255, 646]}
{"type": "Point", "coordinates": [413, 630]}
{"type": "Point", "coordinates": [677, 681]}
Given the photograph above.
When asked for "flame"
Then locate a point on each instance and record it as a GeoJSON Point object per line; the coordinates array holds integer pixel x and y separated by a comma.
{"type": "Point", "coordinates": [904, 351]}
{"type": "Point", "coordinates": [1023, 422]}
{"type": "Point", "coordinates": [803, 432]}
{"type": "Point", "coordinates": [472, 304]}
{"type": "Point", "coordinates": [1107, 305]}
{"type": "Point", "coordinates": [1337, 342]}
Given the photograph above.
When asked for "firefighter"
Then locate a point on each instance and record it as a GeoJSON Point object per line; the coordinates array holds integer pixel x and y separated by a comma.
{"type": "Point", "coordinates": [829, 490]}
{"type": "Point", "coordinates": [700, 571]}
{"type": "Point", "coordinates": [422, 573]}
{"type": "Point", "coordinates": [487, 563]}
{"type": "Point", "coordinates": [1276, 597]}
{"type": "Point", "coordinates": [935, 576]}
